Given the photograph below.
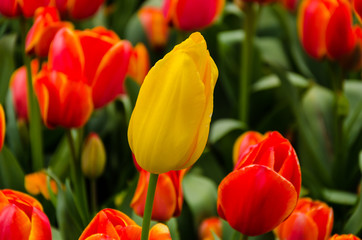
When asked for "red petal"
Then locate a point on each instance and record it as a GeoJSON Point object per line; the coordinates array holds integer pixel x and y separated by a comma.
{"type": "Point", "coordinates": [160, 232]}
{"type": "Point", "coordinates": [255, 199]}
{"type": "Point", "coordinates": [9, 8]}
{"type": "Point", "coordinates": [83, 8]}
{"type": "Point", "coordinates": [40, 226]}
{"type": "Point", "coordinates": [14, 223]}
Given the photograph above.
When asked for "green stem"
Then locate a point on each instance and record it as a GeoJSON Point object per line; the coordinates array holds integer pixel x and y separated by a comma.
{"type": "Point", "coordinates": [250, 17]}
{"type": "Point", "coordinates": [36, 141]}
{"type": "Point", "coordinates": [93, 187]}
{"type": "Point", "coordinates": [244, 237]}
{"type": "Point", "coordinates": [149, 205]}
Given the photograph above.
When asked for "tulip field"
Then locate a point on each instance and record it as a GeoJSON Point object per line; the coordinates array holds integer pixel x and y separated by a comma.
{"type": "Point", "coordinates": [181, 119]}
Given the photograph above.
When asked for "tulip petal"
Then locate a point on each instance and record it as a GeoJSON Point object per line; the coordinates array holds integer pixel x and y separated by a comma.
{"type": "Point", "coordinates": [100, 236]}
{"type": "Point", "coordinates": [40, 226]}
{"type": "Point", "coordinates": [109, 78]}
{"type": "Point", "coordinates": [22, 198]}
{"type": "Point", "coordinates": [298, 226]}
{"type": "Point", "coordinates": [9, 8]}
{"type": "Point", "coordinates": [29, 7]}
{"type": "Point", "coordinates": [83, 8]}
{"type": "Point", "coordinates": [159, 232]}
{"type": "Point", "coordinates": [255, 199]}
{"type": "Point", "coordinates": [322, 215]}
{"type": "Point", "coordinates": [139, 63]}
{"type": "Point", "coordinates": [66, 55]}
{"type": "Point", "coordinates": [14, 223]}
{"type": "Point", "coordinates": [2, 128]}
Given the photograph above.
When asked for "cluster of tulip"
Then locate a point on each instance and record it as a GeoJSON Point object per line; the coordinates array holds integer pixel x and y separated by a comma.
{"type": "Point", "coordinates": [78, 73]}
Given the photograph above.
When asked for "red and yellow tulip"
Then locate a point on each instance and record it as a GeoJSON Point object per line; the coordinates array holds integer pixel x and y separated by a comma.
{"type": "Point", "coordinates": [189, 15]}
{"type": "Point", "coordinates": [27, 8]}
{"type": "Point", "coordinates": [113, 224]}
{"type": "Point", "coordinates": [22, 217]}
{"type": "Point", "coordinates": [36, 183]}
{"type": "Point", "coordinates": [46, 24]}
{"type": "Point", "coordinates": [176, 94]}
{"type": "Point", "coordinates": [263, 189]}
{"type": "Point", "coordinates": [168, 196]}
{"type": "Point", "coordinates": [139, 63]}
{"type": "Point", "coordinates": [208, 227]}
{"type": "Point", "coordinates": [2, 126]}
{"type": "Point", "coordinates": [309, 220]}
{"type": "Point", "coordinates": [344, 237]}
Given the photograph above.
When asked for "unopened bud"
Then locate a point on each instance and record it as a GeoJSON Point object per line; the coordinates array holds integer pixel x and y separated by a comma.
{"type": "Point", "coordinates": [93, 157]}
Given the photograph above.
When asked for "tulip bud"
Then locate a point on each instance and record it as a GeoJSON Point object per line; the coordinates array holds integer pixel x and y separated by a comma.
{"type": "Point", "coordinates": [309, 220]}
{"type": "Point", "coordinates": [170, 123]}
{"type": "Point", "coordinates": [2, 126]}
{"type": "Point", "coordinates": [93, 157]}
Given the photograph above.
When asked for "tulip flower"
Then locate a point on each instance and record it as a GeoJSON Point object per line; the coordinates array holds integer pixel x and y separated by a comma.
{"type": "Point", "coordinates": [113, 224]}
{"type": "Point", "coordinates": [78, 9]}
{"type": "Point", "coordinates": [210, 226]}
{"type": "Point", "coordinates": [22, 217]}
{"type": "Point", "coordinates": [93, 157]}
{"type": "Point", "coordinates": [263, 189]}
{"type": "Point", "coordinates": [168, 196]}
{"type": "Point", "coordinates": [36, 183]}
{"type": "Point", "coordinates": [170, 123]}
{"type": "Point", "coordinates": [46, 24]}
{"type": "Point", "coordinates": [344, 237]}
{"type": "Point", "coordinates": [155, 26]}
{"type": "Point", "coordinates": [27, 8]}
{"type": "Point", "coordinates": [19, 90]}
{"type": "Point", "coordinates": [309, 220]}
{"type": "Point", "coordinates": [325, 29]}
{"type": "Point", "coordinates": [2, 126]}
{"type": "Point", "coordinates": [189, 15]}
{"type": "Point", "coordinates": [244, 142]}
{"type": "Point", "coordinates": [139, 63]}
{"type": "Point", "coordinates": [357, 6]}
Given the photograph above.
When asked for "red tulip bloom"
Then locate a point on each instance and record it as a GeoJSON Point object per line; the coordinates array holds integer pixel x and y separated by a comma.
{"type": "Point", "coordinates": [357, 6]}
{"type": "Point", "coordinates": [189, 15]}
{"type": "Point", "coordinates": [155, 26]}
{"type": "Point", "coordinates": [46, 24]}
{"type": "Point", "coordinates": [22, 217]}
{"type": "Point", "coordinates": [168, 196]}
{"type": "Point", "coordinates": [309, 220]}
{"type": "Point", "coordinates": [78, 9]}
{"type": "Point", "coordinates": [112, 224]}
{"type": "Point", "coordinates": [244, 142]}
{"type": "Point", "coordinates": [210, 226]}
{"type": "Point", "coordinates": [263, 189]}
{"type": "Point", "coordinates": [14, 8]}
{"type": "Point", "coordinates": [2, 126]}
{"type": "Point", "coordinates": [139, 63]}
{"type": "Point", "coordinates": [344, 237]}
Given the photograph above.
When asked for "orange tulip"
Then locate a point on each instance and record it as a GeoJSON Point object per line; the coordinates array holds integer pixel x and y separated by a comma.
{"type": "Point", "coordinates": [168, 196]}
{"type": "Point", "coordinates": [78, 9]}
{"type": "Point", "coordinates": [113, 224]}
{"type": "Point", "coordinates": [2, 126]}
{"type": "Point", "coordinates": [105, 66]}
{"type": "Point", "coordinates": [263, 189]}
{"type": "Point", "coordinates": [14, 8]}
{"type": "Point", "coordinates": [46, 24]}
{"type": "Point", "coordinates": [309, 220]}
{"type": "Point", "coordinates": [139, 63]}
{"type": "Point", "coordinates": [210, 226]}
{"type": "Point", "coordinates": [36, 183]}
{"type": "Point", "coordinates": [325, 28]}
{"type": "Point", "coordinates": [244, 142]}
{"type": "Point", "coordinates": [189, 15]}
{"type": "Point", "coordinates": [344, 237]}
{"type": "Point", "coordinates": [19, 90]}
{"type": "Point", "coordinates": [22, 217]}
{"type": "Point", "coordinates": [155, 25]}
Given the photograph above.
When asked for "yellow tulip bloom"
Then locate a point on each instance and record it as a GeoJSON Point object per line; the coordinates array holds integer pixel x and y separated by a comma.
{"type": "Point", "coordinates": [170, 123]}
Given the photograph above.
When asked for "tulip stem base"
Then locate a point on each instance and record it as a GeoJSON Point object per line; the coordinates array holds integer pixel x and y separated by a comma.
{"type": "Point", "coordinates": [149, 206]}
{"type": "Point", "coordinates": [249, 22]}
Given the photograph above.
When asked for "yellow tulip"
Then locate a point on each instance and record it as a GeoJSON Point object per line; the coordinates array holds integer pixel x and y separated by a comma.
{"type": "Point", "coordinates": [170, 123]}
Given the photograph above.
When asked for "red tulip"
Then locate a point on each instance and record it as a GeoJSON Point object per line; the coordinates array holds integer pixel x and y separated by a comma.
{"type": "Point", "coordinates": [46, 24]}
{"type": "Point", "coordinates": [210, 226]}
{"type": "Point", "coordinates": [189, 15]}
{"type": "Point", "coordinates": [22, 217]}
{"type": "Point", "coordinates": [112, 224]}
{"type": "Point", "coordinates": [344, 237]}
{"type": "Point", "coordinates": [263, 189]}
{"type": "Point", "coordinates": [244, 142]}
{"type": "Point", "coordinates": [155, 26]}
{"type": "Point", "coordinates": [168, 196]}
{"type": "Point", "coordinates": [357, 6]}
{"type": "Point", "coordinates": [14, 8]}
{"type": "Point", "coordinates": [139, 63]}
{"type": "Point", "coordinates": [309, 220]}
{"type": "Point", "coordinates": [78, 9]}
{"type": "Point", "coordinates": [2, 126]}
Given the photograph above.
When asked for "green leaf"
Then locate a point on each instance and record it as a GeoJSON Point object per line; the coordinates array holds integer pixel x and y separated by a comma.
{"type": "Point", "coordinates": [56, 234]}
{"type": "Point", "coordinates": [272, 81]}
{"type": "Point", "coordinates": [339, 197]}
{"type": "Point", "coordinates": [354, 223]}
{"type": "Point", "coordinates": [7, 47]}
{"type": "Point", "coordinates": [272, 52]}
{"type": "Point", "coordinates": [59, 161]}
{"type": "Point", "coordinates": [201, 195]}
{"type": "Point", "coordinates": [222, 127]}
{"type": "Point", "coordinates": [11, 174]}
